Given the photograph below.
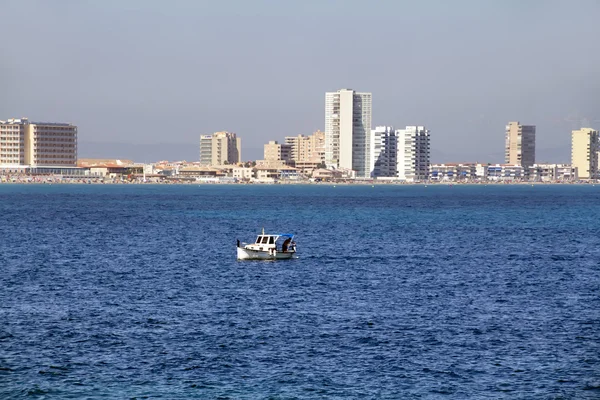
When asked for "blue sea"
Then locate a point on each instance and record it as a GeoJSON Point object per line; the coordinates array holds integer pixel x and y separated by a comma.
{"type": "Point", "coordinates": [398, 292]}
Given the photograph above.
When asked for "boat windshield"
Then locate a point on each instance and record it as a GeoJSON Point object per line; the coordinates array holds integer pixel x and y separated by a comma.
{"type": "Point", "coordinates": [265, 240]}
{"type": "Point", "coordinates": [258, 239]}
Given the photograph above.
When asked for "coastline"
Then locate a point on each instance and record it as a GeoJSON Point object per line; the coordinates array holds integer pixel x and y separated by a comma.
{"type": "Point", "coordinates": [98, 181]}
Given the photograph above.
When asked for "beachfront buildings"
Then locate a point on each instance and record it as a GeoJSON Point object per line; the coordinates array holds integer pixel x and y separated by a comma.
{"type": "Point", "coordinates": [384, 152]}
{"type": "Point", "coordinates": [347, 131]}
{"type": "Point", "coordinates": [455, 172]}
{"type": "Point", "coordinates": [520, 144]}
{"type": "Point", "coordinates": [220, 148]}
{"type": "Point", "coordinates": [276, 151]}
{"type": "Point", "coordinates": [413, 153]}
{"type": "Point", "coordinates": [307, 152]}
{"type": "Point", "coordinates": [275, 155]}
{"type": "Point", "coordinates": [477, 172]}
{"type": "Point", "coordinates": [584, 152]}
{"type": "Point", "coordinates": [400, 153]}
{"type": "Point", "coordinates": [24, 143]}
{"type": "Point", "coordinates": [545, 172]}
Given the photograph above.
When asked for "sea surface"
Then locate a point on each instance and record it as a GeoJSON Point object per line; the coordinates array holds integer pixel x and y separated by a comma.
{"type": "Point", "coordinates": [398, 292]}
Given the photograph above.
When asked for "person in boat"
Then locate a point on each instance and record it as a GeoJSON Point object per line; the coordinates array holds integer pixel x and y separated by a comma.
{"type": "Point", "coordinates": [238, 242]}
{"type": "Point", "coordinates": [286, 244]}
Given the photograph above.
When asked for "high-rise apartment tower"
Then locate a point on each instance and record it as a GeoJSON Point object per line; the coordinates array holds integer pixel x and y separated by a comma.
{"type": "Point", "coordinates": [384, 152]}
{"type": "Point", "coordinates": [348, 130]}
{"type": "Point", "coordinates": [584, 152]}
{"type": "Point", "coordinates": [413, 153]}
{"type": "Point", "coordinates": [520, 144]}
{"type": "Point", "coordinates": [220, 148]}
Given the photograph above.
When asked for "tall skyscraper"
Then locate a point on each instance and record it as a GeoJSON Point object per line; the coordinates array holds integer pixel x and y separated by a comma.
{"type": "Point", "coordinates": [384, 152]}
{"type": "Point", "coordinates": [584, 152]}
{"type": "Point", "coordinates": [220, 148]}
{"type": "Point", "coordinates": [348, 130]}
{"type": "Point", "coordinates": [25, 143]}
{"type": "Point", "coordinates": [413, 153]}
{"type": "Point", "coordinates": [520, 144]}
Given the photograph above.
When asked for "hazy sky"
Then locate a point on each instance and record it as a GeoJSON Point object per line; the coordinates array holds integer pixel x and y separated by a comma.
{"type": "Point", "coordinates": [141, 77]}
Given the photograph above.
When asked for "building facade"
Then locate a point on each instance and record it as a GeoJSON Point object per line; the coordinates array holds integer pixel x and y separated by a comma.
{"type": "Point", "coordinates": [347, 131]}
{"type": "Point", "coordinates": [384, 152]}
{"type": "Point", "coordinates": [453, 172]}
{"type": "Point", "coordinates": [37, 144]}
{"type": "Point", "coordinates": [584, 152]}
{"type": "Point", "coordinates": [275, 151]}
{"type": "Point", "coordinates": [307, 149]}
{"type": "Point", "coordinates": [413, 153]}
{"type": "Point", "coordinates": [220, 148]}
{"type": "Point", "coordinates": [505, 172]}
{"type": "Point", "coordinates": [520, 144]}
{"type": "Point", "coordinates": [552, 173]}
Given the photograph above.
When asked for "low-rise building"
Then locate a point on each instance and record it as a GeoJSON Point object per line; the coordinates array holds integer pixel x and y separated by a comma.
{"type": "Point", "coordinates": [199, 172]}
{"type": "Point", "coordinates": [552, 172]}
{"type": "Point", "coordinates": [453, 172]}
{"type": "Point", "coordinates": [279, 173]}
{"type": "Point", "coordinates": [243, 173]}
{"type": "Point", "coordinates": [566, 172]}
{"type": "Point", "coordinates": [322, 174]}
{"type": "Point", "coordinates": [273, 164]}
{"type": "Point", "coordinates": [266, 173]}
{"type": "Point", "coordinates": [307, 166]}
{"type": "Point", "coordinates": [505, 172]}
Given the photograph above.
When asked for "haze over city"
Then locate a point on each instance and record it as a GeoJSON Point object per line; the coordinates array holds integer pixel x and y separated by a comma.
{"type": "Point", "coordinates": [143, 79]}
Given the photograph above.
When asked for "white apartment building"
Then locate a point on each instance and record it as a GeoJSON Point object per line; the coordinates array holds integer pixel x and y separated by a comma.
{"type": "Point", "coordinates": [584, 152]}
{"type": "Point", "coordinates": [552, 172]}
{"type": "Point", "coordinates": [220, 148]}
{"type": "Point", "coordinates": [347, 131]}
{"type": "Point", "coordinates": [37, 144]}
{"type": "Point", "coordinates": [505, 172]}
{"type": "Point", "coordinates": [413, 153]}
{"type": "Point", "coordinates": [384, 152]}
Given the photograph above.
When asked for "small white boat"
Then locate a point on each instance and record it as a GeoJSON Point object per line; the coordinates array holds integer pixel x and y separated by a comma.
{"type": "Point", "coordinates": [279, 246]}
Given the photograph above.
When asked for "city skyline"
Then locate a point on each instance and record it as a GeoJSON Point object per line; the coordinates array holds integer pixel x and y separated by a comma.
{"type": "Point", "coordinates": [475, 67]}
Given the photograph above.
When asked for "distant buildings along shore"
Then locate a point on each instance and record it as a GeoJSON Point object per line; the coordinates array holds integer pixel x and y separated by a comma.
{"type": "Point", "coordinates": [347, 149]}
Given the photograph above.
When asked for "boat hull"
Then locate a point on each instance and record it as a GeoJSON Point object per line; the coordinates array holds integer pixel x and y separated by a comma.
{"type": "Point", "coordinates": [247, 254]}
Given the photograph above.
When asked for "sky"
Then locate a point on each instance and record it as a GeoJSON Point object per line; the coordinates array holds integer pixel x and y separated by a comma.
{"type": "Point", "coordinates": [143, 79]}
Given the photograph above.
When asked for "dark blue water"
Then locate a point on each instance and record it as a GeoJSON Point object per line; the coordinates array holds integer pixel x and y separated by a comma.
{"type": "Point", "coordinates": [398, 292]}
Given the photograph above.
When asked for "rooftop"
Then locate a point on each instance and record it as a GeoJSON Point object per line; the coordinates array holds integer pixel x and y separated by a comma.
{"type": "Point", "coordinates": [25, 121]}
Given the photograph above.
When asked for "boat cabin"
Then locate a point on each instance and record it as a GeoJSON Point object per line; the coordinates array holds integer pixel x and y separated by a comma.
{"type": "Point", "coordinates": [266, 239]}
